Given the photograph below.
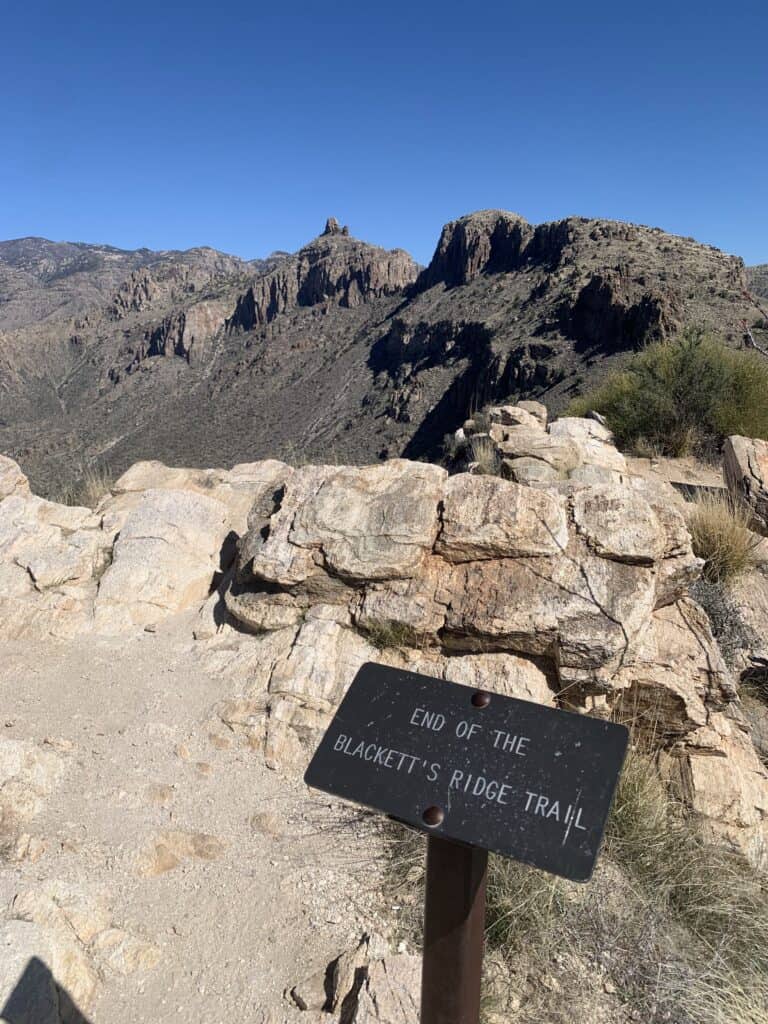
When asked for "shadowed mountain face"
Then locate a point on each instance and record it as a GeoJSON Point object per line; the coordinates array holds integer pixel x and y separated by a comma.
{"type": "Point", "coordinates": [340, 351]}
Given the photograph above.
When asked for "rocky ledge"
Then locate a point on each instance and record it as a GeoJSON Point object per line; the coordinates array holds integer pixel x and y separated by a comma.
{"type": "Point", "coordinates": [566, 584]}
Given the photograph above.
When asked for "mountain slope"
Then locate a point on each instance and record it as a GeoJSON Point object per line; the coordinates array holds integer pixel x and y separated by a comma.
{"type": "Point", "coordinates": [758, 279]}
{"type": "Point", "coordinates": [341, 351]}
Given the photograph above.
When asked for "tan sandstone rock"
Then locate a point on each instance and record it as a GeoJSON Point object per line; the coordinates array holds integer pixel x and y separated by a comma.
{"type": "Point", "coordinates": [376, 522]}
{"type": "Point", "coordinates": [721, 778]}
{"type": "Point", "coordinates": [28, 774]}
{"type": "Point", "coordinates": [50, 557]}
{"type": "Point", "coordinates": [745, 466]}
{"type": "Point", "coordinates": [618, 523]}
{"type": "Point", "coordinates": [390, 992]}
{"type": "Point", "coordinates": [239, 488]}
{"type": "Point", "coordinates": [486, 517]}
{"type": "Point", "coordinates": [12, 480]}
{"type": "Point", "coordinates": [165, 560]}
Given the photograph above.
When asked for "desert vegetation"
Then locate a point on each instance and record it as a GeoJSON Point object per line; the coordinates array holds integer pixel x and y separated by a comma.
{"type": "Point", "coordinates": [721, 535]}
{"type": "Point", "coordinates": [675, 925]}
{"type": "Point", "coordinates": [683, 395]}
{"type": "Point", "coordinates": [88, 489]}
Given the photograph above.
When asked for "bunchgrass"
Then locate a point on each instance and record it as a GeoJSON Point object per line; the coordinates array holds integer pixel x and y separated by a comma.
{"type": "Point", "coordinates": [483, 452]}
{"type": "Point", "coordinates": [387, 633]}
{"type": "Point", "coordinates": [720, 534]}
{"type": "Point", "coordinates": [677, 925]}
{"type": "Point", "coordinates": [88, 490]}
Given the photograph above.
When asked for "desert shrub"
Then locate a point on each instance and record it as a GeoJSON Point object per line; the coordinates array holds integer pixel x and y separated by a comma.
{"type": "Point", "coordinates": [482, 451]}
{"type": "Point", "coordinates": [682, 395]}
{"type": "Point", "coordinates": [453, 449]}
{"type": "Point", "coordinates": [720, 535]}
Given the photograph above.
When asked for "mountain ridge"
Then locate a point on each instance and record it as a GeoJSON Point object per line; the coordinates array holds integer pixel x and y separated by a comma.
{"type": "Point", "coordinates": [342, 349]}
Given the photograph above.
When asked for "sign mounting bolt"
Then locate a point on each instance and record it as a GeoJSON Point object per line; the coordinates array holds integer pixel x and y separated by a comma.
{"type": "Point", "coordinates": [433, 816]}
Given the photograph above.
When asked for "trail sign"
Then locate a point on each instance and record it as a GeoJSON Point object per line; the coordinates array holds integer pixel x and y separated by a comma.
{"type": "Point", "coordinates": [517, 778]}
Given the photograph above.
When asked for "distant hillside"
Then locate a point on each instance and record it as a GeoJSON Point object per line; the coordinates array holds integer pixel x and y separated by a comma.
{"type": "Point", "coordinates": [340, 351]}
{"type": "Point", "coordinates": [758, 279]}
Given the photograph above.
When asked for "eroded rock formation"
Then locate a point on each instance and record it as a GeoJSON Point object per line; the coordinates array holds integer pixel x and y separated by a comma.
{"type": "Point", "coordinates": [334, 268]}
{"type": "Point", "coordinates": [565, 583]}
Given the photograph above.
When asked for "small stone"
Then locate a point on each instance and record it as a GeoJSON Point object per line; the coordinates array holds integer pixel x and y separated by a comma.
{"type": "Point", "coordinates": [266, 823]}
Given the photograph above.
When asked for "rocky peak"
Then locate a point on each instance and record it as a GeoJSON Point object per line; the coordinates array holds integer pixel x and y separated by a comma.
{"type": "Point", "coordinates": [484, 241]}
{"type": "Point", "coordinates": [334, 268]}
{"type": "Point", "coordinates": [332, 227]}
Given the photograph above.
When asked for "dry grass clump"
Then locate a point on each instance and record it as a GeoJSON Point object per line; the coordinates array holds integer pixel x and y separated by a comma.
{"type": "Point", "coordinates": [721, 535]}
{"type": "Point", "coordinates": [482, 451]}
{"type": "Point", "coordinates": [707, 888]}
{"type": "Point", "coordinates": [677, 925]}
{"type": "Point", "coordinates": [88, 490]}
{"type": "Point", "coordinates": [386, 633]}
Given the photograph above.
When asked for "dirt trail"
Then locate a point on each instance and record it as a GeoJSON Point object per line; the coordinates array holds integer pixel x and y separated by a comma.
{"type": "Point", "coordinates": [242, 879]}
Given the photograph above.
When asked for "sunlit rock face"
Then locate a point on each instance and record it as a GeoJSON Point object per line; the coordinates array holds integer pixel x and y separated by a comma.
{"type": "Point", "coordinates": [555, 587]}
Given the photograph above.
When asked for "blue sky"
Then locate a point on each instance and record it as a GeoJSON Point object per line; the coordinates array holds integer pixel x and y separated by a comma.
{"type": "Point", "coordinates": [244, 125]}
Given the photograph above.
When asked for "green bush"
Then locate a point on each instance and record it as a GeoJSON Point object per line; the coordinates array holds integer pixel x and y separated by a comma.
{"type": "Point", "coordinates": [683, 395]}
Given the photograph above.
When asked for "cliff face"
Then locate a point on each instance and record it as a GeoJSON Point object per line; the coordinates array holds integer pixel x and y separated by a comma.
{"type": "Point", "coordinates": [342, 350]}
{"type": "Point", "coordinates": [484, 242]}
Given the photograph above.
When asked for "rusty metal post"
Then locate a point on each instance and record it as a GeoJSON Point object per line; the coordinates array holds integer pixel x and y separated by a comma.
{"type": "Point", "coordinates": [454, 923]}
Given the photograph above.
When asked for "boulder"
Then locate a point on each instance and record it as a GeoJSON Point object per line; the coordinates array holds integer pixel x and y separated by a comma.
{"type": "Point", "coordinates": [721, 778]}
{"type": "Point", "coordinates": [674, 677]}
{"type": "Point", "coordinates": [618, 523]}
{"type": "Point", "coordinates": [563, 454]}
{"type": "Point", "coordinates": [321, 664]}
{"type": "Point", "coordinates": [580, 429]}
{"type": "Point", "coordinates": [375, 522]}
{"type": "Point", "coordinates": [50, 557]}
{"type": "Point", "coordinates": [531, 472]}
{"type": "Point", "coordinates": [417, 605]}
{"type": "Point", "coordinates": [745, 466]}
{"type": "Point", "coordinates": [580, 611]}
{"type": "Point", "coordinates": [390, 992]}
{"type": "Point", "coordinates": [239, 488]}
{"type": "Point", "coordinates": [166, 558]}
{"type": "Point", "coordinates": [486, 517]}
{"type": "Point", "coordinates": [572, 447]}
{"type": "Point", "coordinates": [537, 409]}
{"type": "Point", "coordinates": [12, 480]}
{"type": "Point", "coordinates": [513, 416]}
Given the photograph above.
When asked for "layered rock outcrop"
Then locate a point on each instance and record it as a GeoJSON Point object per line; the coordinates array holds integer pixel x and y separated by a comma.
{"type": "Point", "coordinates": [565, 583]}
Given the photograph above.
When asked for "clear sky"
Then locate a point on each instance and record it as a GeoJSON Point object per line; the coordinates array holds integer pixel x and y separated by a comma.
{"type": "Point", "coordinates": [244, 125]}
